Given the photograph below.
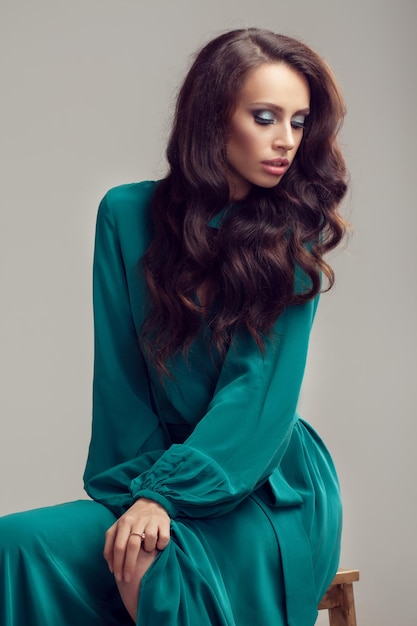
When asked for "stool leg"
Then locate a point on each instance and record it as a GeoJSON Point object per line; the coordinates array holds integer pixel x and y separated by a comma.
{"type": "Point", "coordinates": [344, 615]}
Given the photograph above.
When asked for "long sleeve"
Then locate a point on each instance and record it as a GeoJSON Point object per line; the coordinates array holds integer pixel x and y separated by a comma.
{"type": "Point", "coordinates": [243, 436]}
{"type": "Point", "coordinates": [126, 434]}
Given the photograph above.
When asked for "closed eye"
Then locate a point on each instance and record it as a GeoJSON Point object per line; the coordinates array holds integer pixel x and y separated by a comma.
{"type": "Point", "coordinates": [264, 117]}
{"type": "Point", "coordinates": [299, 121]}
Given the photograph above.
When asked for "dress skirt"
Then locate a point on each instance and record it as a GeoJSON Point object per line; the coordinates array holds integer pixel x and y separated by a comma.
{"type": "Point", "coordinates": [245, 568]}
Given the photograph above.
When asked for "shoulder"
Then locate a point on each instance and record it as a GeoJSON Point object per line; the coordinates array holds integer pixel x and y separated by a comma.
{"type": "Point", "coordinates": [124, 200]}
{"type": "Point", "coordinates": [125, 210]}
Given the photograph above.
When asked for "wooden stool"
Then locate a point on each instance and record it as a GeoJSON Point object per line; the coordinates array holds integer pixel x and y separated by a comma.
{"type": "Point", "coordinates": [339, 600]}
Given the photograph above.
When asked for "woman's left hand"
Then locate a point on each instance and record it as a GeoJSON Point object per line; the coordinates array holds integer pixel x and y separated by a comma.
{"type": "Point", "coordinates": [145, 525]}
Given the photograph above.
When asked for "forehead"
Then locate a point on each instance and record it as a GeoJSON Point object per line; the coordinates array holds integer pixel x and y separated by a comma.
{"type": "Point", "coordinates": [277, 84]}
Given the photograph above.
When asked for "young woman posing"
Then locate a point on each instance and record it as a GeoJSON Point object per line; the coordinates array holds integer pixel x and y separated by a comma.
{"type": "Point", "coordinates": [216, 503]}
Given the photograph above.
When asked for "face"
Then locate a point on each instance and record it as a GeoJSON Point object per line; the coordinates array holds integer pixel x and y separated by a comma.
{"type": "Point", "coordinates": [266, 127]}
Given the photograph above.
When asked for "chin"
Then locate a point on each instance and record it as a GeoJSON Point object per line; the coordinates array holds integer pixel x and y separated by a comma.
{"type": "Point", "coordinates": [271, 185]}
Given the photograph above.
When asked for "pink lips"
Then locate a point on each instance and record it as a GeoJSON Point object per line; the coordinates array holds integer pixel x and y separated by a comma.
{"type": "Point", "coordinates": [276, 167]}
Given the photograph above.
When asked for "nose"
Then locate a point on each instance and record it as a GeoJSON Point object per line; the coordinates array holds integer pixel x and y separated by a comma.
{"type": "Point", "coordinates": [284, 137]}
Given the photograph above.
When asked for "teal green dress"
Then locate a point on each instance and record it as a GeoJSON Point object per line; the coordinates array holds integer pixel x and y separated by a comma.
{"type": "Point", "coordinates": [250, 487]}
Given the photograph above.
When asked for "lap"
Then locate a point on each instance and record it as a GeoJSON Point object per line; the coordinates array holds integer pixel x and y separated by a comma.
{"type": "Point", "coordinates": [55, 554]}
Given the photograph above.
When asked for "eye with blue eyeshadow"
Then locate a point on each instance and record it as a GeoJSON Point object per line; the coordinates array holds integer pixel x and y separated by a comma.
{"type": "Point", "coordinates": [299, 121]}
{"type": "Point", "coordinates": [264, 117]}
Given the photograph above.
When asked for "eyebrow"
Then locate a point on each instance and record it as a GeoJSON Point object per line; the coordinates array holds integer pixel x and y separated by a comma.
{"type": "Point", "coordinates": [280, 109]}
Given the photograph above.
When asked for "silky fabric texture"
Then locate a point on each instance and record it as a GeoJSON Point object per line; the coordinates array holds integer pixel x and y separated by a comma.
{"type": "Point", "coordinates": [250, 487]}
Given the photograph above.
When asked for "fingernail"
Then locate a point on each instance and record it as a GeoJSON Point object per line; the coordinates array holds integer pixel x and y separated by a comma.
{"type": "Point", "coordinates": [118, 577]}
{"type": "Point", "coordinates": [127, 578]}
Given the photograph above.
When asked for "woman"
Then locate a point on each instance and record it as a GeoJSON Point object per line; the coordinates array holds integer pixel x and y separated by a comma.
{"type": "Point", "coordinates": [216, 503]}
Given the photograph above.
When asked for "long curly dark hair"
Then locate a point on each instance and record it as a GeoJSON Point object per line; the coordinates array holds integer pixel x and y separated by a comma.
{"type": "Point", "coordinates": [250, 259]}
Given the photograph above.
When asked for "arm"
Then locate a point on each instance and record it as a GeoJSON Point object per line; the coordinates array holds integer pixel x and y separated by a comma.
{"type": "Point", "coordinates": [245, 432]}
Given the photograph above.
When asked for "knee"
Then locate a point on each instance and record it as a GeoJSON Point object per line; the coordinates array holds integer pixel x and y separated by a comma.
{"type": "Point", "coordinates": [17, 530]}
{"type": "Point", "coordinates": [12, 529]}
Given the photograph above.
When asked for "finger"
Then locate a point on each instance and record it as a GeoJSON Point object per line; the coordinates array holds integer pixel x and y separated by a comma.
{"type": "Point", "coordinates": [164, 536]}
{"type": "Point", "coordinates": [119, 548]}
{"type": "Point", "coordinates": [133, 547]}
{"type": "Point", "coordinates": [108, 546]}
{"type": "Point", "coordinates": [151, 536]}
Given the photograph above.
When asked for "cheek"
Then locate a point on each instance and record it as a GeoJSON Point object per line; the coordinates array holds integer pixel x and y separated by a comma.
{"type": "Point", "coordinates": [244, 142]}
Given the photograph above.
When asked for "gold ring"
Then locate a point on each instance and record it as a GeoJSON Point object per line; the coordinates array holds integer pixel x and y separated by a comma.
{"type": "Point", "coordinates": [141, 535]}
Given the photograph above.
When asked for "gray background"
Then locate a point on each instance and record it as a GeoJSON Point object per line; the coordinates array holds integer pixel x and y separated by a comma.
{"type": "Point", "coordinates": [86, 93]}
